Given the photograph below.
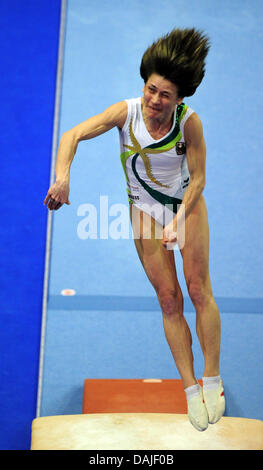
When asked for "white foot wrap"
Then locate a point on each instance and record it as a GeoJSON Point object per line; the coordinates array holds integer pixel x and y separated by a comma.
{"type": "Point", "coordinates": [197, 412]}
{"type": "Point", "coordinates": [214, 399]}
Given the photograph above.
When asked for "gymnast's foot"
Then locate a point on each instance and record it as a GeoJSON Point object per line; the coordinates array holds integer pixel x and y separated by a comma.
{"type": "Point", "coordinates": [213, 391]}
{"type": "Point", "coordinates": [197, 412]}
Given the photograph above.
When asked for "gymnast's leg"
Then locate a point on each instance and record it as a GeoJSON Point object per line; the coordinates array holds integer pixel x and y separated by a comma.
{"type": "Point", "coordinates": [159, 265]}
{"type": "Point", "coordinates": [195, 254]}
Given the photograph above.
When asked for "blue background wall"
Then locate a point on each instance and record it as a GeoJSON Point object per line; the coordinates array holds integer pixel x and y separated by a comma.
{"type": "Point", "coordinates": [29, 44]}
{"type": "Point", "coordinates": [112, 327]}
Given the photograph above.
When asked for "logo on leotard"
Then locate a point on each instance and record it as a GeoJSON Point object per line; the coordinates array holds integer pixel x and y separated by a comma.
{"type": "Point", "coordinates": [180, 148]}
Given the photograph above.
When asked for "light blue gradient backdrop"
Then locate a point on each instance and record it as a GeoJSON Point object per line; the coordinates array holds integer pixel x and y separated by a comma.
{"type": "Point", "coordinates": [103, 48]}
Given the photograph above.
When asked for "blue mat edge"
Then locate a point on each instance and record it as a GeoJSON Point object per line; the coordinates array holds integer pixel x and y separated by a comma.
{"type": "Point", "coordinates": [146, 303]}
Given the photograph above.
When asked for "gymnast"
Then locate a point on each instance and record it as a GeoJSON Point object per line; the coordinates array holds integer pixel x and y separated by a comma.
{"type": "Point", "coordinates": [163, 154]}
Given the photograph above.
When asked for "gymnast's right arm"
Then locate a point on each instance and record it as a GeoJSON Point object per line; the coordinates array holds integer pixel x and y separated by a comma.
{"type": "Point", "coordinates": [114, 116]}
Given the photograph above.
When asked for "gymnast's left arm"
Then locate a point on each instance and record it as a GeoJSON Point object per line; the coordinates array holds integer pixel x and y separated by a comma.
{"type": "Point", "coordinates": [196, 160]}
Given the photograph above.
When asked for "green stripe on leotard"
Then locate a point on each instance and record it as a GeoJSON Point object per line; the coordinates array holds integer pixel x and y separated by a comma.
{"type": "Point", "coordinates": [164, 145]}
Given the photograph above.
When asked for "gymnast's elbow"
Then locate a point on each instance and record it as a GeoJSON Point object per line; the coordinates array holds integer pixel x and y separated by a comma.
{"type": "Point", "coordinates": [198, 184]}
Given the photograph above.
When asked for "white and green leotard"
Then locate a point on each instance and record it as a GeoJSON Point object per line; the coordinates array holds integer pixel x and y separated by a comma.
{"type": "Point", "coordinates": [156, 170]}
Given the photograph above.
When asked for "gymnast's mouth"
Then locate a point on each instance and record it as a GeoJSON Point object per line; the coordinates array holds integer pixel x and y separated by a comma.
{"type": "Point", "coordinates": [155, 109]}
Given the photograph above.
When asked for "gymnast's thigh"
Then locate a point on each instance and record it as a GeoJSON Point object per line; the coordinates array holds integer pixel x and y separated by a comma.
{"type": "Point", "coordinates": [157, 261]}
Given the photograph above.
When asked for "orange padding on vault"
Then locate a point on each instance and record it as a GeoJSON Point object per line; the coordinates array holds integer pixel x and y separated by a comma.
{"type": "Point", "coordinates": [134, 396]}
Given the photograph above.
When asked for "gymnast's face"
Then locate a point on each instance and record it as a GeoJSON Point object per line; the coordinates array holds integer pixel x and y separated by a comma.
{"type": "Point", "coordinates": [160, 98]}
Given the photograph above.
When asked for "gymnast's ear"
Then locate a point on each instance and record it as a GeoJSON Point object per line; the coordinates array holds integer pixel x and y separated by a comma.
{"type": "Point", "coordinates": [179, 100]}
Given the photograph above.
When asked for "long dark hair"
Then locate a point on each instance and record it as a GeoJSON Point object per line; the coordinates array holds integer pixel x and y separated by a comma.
{"type": "Point", "coordinates": [179, 57]}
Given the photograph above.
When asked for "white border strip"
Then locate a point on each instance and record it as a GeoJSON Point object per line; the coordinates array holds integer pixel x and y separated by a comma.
{"type": "Point", "coordinates": [50, 213]}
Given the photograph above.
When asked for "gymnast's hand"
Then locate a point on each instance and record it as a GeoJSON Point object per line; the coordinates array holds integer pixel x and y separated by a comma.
{"type": "Point", "coordinates": [57, 195]}
{"type": "Point", "coordinates": [170, 235]}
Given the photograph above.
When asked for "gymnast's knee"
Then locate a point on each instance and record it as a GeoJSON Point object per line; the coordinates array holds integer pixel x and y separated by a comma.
{"type": "Point", "coordinates": [171, 302]}
{"type": "Point", "coordinates": [199, 293]}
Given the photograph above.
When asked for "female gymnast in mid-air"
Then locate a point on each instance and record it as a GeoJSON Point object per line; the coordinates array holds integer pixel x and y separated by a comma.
{"type": "Point", "coordinates": [163, 154]}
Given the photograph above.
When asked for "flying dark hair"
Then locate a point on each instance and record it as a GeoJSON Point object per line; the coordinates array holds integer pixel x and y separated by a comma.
{"type": "Point", "coordinates": [179, 57]}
